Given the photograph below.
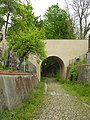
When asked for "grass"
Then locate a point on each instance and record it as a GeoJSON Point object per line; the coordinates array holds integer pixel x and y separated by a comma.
{"type": "Point", "coordinates": [2, 68]}
{"type": "Point", "coordinates": [27, 109]}
{"type": "Point", "coordinates": [81, 90]}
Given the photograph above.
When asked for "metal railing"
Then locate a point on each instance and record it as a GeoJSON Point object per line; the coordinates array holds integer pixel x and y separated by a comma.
{"type": "Point", "coordinates": [27, 66]}
{"type": "Point", "coordinates": [11, 61]}
{"type": "Point", "coordinates": [78, 60]}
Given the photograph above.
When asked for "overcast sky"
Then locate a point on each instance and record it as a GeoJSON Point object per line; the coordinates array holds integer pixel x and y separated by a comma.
{"type": "Point", "coordinates": [40, 6]}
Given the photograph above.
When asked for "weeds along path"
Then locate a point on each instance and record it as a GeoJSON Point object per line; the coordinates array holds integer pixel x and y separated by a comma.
{"type": "Point", "coordinates": [58, 105]}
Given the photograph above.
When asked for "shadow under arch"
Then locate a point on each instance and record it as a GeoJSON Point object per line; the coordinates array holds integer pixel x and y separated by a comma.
{"type": "Point", "coordinates": [51, 66]}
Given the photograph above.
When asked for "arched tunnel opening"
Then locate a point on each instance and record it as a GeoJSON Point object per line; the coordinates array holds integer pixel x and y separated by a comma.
{"type": "Point", "coordinates": [52, 66]}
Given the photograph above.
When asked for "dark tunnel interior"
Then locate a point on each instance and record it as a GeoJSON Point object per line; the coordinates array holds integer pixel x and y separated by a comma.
{"type": "Point", "coordinates": [51, 66]}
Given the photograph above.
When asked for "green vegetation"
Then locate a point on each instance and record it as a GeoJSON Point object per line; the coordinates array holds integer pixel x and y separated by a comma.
{"type": "Point", "coordinates": [73, 74]}
{"type": "Point", "coordinates": [58, 24]}
{"type": "Point", "coordinates": [7, 9]}
{"type": "Point", "coordinates": [79, 61]}
{"type": "Point", "coordinates": [5, 68]}
{"type": "Point", "coordinates": [28, 107]}
{"type": "Point", "coordinates": [23, 35]}
{"type": "Point", "coordinates": [81, 90]}
{"type": "Point", "coordinates": [1, 67]}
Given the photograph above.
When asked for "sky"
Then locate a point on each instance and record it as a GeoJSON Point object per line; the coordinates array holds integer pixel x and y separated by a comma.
{"type": "Point", "coordinates": [40, 6]}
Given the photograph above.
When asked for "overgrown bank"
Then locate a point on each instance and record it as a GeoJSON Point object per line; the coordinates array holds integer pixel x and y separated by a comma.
{"type": "Point", "coordinates": [28, 107]}
{"type": "Point", "coordinates": [81, 90]}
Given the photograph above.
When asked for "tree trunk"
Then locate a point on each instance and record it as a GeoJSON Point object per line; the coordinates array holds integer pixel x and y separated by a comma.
{"type": "Point", "coordinates": [7, 22]}
{"type": "Point", "coordinates": [81, 28]}
{"type": "Point", "coordinates": [87, 28]}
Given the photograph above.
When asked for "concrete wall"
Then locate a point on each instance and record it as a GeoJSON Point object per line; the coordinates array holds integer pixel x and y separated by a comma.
{"type": "Point", "coordinates": [14, 88]}
{"type": "Point", "coordinates": [66, 49]}
{"type": "Point", "coordinates": [83, 73]}
{"type": "Point", "coordinates": [35, 61]}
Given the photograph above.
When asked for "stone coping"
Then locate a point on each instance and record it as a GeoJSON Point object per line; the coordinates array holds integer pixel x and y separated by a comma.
{"type": "Point", "coordinates": [15, 73]}
{"type": "Point", "coordinates": [79, 65]}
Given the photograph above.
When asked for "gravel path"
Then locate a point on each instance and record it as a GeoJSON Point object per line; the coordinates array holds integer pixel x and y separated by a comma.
{"type": "Point", "coordinates": [58, 105]}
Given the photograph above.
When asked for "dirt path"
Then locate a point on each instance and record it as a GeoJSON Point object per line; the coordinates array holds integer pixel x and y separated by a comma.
{"type": "Point", "coordinates": [58, 105]}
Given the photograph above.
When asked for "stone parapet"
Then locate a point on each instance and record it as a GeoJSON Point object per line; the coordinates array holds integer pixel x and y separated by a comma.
{"type": "Point", "coordinates": [14, 88]}
{"type": "Point", "coordinates": [83, 73]}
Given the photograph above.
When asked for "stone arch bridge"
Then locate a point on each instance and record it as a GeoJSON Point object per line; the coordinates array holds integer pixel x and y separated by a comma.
{"type": "Point", "coordinates": [64, 50]}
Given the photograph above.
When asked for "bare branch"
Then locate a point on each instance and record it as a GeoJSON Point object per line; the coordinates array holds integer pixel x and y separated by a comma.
{"type": "Point", "coordinates": [82, 12]}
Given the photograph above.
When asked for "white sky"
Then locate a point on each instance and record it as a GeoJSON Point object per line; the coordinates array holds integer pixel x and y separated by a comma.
{"type": "Point", "coordinates": [40, 6]}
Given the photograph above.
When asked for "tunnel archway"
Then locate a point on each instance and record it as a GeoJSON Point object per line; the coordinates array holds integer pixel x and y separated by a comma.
{"type": "Point", "coordinates": [51, 66]}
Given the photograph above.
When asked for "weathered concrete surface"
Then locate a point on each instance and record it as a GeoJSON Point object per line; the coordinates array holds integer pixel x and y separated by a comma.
{"type": "Point", "coordinates": [88, 57]}
{"type": "Point", "coordinates": [83, 73]}
{"type": "Point", "coordinates": [66, 49]}
{"type": "Point", "coordinates": [2, 95]}
{"type": "Point", "coordinates": [14, 88]}
{"type": "Point", "coordinates": [58, 105]}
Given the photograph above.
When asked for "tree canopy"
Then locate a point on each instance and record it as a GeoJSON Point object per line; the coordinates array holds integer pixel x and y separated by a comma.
{"type": "Point", "coordinates": [57, 24]}
{"type": "Point", "coordinates": [23, 36]}
{"type": "Point", "coordinates": [7, 8]}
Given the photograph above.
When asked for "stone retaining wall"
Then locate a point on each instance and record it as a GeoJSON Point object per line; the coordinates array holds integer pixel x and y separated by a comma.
{"type": "Point", "coordinates": [14, 88]}
{"type": "Point", "coordinates": [83, 73]}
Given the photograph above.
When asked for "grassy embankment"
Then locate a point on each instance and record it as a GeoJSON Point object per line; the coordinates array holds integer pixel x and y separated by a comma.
{"type": "Point", "coordinates": [26, 110]}
{"type": "Point", "coordinates": [81, 90]}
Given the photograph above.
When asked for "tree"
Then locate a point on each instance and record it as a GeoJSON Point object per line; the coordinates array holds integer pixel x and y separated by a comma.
{"type": "Point", "coordinates": [57, 24]}
{"type": "Point", "coordinates": [1, 22]}
{"type": "Point", "coordinates": [23, 36]}
{"type": "Point", "coordinates": [82, 12]}
{"type": "Point", "coordinates": [38, 22]}
{"type": "Point", "coordinates": [7, 9]}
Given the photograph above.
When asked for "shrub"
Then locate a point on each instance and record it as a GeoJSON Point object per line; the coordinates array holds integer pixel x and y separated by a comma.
{"type": "Point", "coordinates": [73, 74]}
